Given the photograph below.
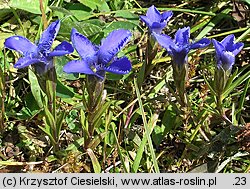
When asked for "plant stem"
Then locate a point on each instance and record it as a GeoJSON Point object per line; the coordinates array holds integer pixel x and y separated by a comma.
{"type": "Point", "coordinates": [2, 96]}
{"type": "Point", "coordinates": [219, 104]}
{"type": "Point", "coordinates": [45, 22]}
{"type": "Point", "coordinates": [95, 87]}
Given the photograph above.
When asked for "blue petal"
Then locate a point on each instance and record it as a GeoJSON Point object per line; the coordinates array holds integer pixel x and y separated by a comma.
{"type": "Point", "coordinates": [114, 42]}
{"type": "Point", "coordinates": [230, 45]}
{"type": "Point", "coordinates": [227, 60]}
{"type": "Point", "coordinates": [167, 15]}
{"type": "Point", "coordinates": [62, 49]}
{"type": "Point", "coordinates": [237, 48]}
{"type": "Point", "coordinates": [182, 36]}
{"type": "Point", "coordinates": [219, 48]}
{"type": "Point", "coordinates": [228, 42]}
{"type": "Point", "coordinates": [200, 44]}
{"type": "Point", "coordinates": [165, 41]}
{"type": "Point", "coordinates": [119, 66]}
{"type": "Point", "coordinates": [41, 67]}
{"type": "Point", "coordinates": [180, 55]}
{"type": "Point", "coordinates": [78, 66]}
{"type": "Point", "coordinates": [20, 44]}
{"type": "Point", "coordinates": [25, 61]}
{"type": "Point", "coordinates": [157, 27]}
{"type": "Point", "coordinates": [48, 36]}
{"type": "Point", "coordinates": [146, 20]}
{"type": "Point", "coordinates": [153, 14]}
{"type": "Point", "coordinates": [84, 47]}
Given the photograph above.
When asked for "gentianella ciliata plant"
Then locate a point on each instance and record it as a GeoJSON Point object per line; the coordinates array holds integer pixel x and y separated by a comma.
{"type": "Point", "coordinates": [95, 62]}
{"type": "Point", "coordinates": [226, 51]}
{"type": "Point", "coordinates": [41, 58]}
{"type": "Point", "coordinates": [178, 48]}
{"type": "Point", "coordinates": [156, 22]}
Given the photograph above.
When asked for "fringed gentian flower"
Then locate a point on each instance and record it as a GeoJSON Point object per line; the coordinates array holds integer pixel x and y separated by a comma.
{"type": "Point", "coordinates": [155, 20]}
{"type": "Point", "coordinates": [179, 48]}
{"type": "Point", "coordinates": [226, 50]}
{"type": "Point", "coordinates": [39, 55]}
{"type": "Point", "coordinates": [96, 60]}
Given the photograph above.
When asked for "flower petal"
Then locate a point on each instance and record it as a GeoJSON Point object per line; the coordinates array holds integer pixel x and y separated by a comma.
{"type": "Point", "coordinates": [167, 15]}
{"type": "Point", "coordinates": [157, 27]}
{"type": "Point", "coordinates": [25, 61]}
{"type": "Point", "coordinates": [83, 46]}
{"type": "Point", "coordinates": [119, 66]}
{"type": "Point", "coordinates": [237, 48]}
{"type": "Point", "coordinates": [228, 41]}
{"type": "Point", "coordinates": [153, 14]}
{"type": "Point", "coordinates": [78, 66]}
{"type": "Point", "coordinates": [219, 48]}
{"type": "Point", "coordinates": [114, 42]}
{"type": "Point", "coordinates": [20, 44]}
{"type": "Point", "coordinates": [182, 36]}
{"type": "Point", "coordinates": [227, 60]}
{"type": "Point", "coordinates": [230, 45]}
{"type": "Point", "coordinates": [200, 44]}
{"type": "Point", "coordinates": [165, 41]}
{"type": "Point", "coordinates": [180, 55]}
{"type": "Point", "coordinates": [62, 49]}
{"type": "Point", "coordinates": [146, 20]}
{"type": "Point", "coordinates": [48, 36]}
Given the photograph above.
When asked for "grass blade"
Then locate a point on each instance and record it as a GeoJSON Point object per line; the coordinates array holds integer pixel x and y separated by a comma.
{"type": "Point", "coordinates": [147, 131]}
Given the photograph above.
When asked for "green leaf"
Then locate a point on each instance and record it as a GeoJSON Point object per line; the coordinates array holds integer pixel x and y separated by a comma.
{"type": "Point", "coordinates": [32, 6]}
{"type": "Point", "coordinates": [59, 122]}
{"type": "Point", "coordinates": [35, 88]}
{"type": "Point", "coordinates": [59, 63]}
{"type": "Point", "coordinates": [96, 141]}
{"type": "Point", "coordinates": [119, 25]}
{"type": "Point", "coordinates": [63, 91]}
{"type": "Point", "coordinates": [236, 83]}
{"type": "Point", "coordinates": [84, 123]}
{"type": "Point", "coordinates": [84, 28]}
{"type": "Point", "coordinates": [209, 86]}
{"type": "Point", "coordinates": [61, 10]}
{"type": "Point", "coordinates": [50, 121]}
{"type": "Point", "coordinates": [47, 132]}
{"type": "Point", "coordinates": [247, 1]}
{"type": "Point", "coordinates": [99, 113]}
{"type": "Point", "coordinates": [30, 109]}
{"type": "Point", "coordinates": [95, 163]}
{"type": "Point", "coordinates": [76, 144]}
{"type": "Point", "coordinates": [93, 4]}
{"type": "Point", "coordinates": [216, 20]}
{"type": "Point", "coordinates": [129, 16]}
{"type": "Point", "coordinates": [79, 10]}
{"type": "Point", "coordinates": [168, 123]}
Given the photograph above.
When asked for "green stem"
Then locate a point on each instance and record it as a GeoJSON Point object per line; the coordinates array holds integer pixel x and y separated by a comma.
{"type": "Point", "coordinates": [2, 96]}
{"type": "Point", "coordinates": [95, 87]}
{"type": "Point", "coordinates": [219, 104]}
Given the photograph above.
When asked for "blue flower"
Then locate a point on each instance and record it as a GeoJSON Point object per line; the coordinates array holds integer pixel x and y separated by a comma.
{"type": "Point", "coordinates": [226, 50]}
{"type": "Point", "coordinates": [96, 60]}
{"type": "Point", "coordinates": [40, 55]}
{"type": "Point", "coordinates": [179, 47]}
{"type": "Point", "coordinates": [155, 20]}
